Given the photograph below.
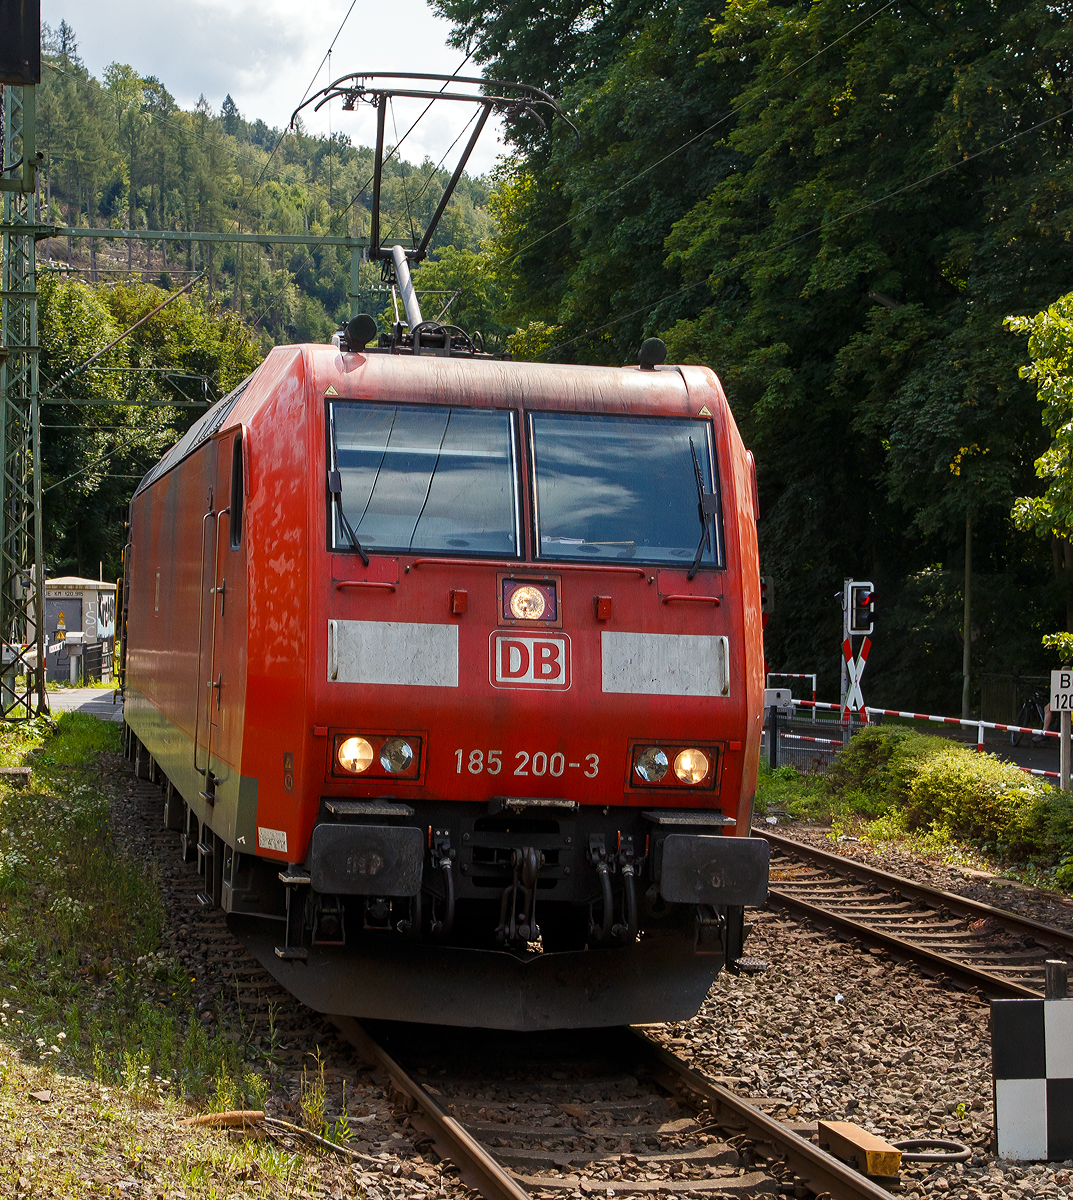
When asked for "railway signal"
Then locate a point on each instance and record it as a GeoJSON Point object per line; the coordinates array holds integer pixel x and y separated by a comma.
{"type": "Point", "coordinates": [858, 611]}
{"type": "Point", "coordinates": [854, 669]}
{"type": "Point", "coordinates": [861, 607]}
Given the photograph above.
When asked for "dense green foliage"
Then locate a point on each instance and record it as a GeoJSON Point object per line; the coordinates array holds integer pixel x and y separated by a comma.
{"type": "Point", "coordinates": [935, 780]}
{"type": "Point", "coordinates": [1050, 345]}
{"type": "Point", "coordinates": [835, 207]}
{"type": "Point", "coordinates": [122, 412]}
{"type": "Point", "coordinates": [907, 782]}
{"type": "Point", "coordinates": [120, 153]}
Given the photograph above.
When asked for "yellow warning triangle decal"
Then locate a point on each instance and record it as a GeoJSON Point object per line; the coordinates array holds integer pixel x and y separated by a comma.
{"type": "Point", "coordinates": [705, 411]}
{"type": "Point", "coordinates": [330, 391]}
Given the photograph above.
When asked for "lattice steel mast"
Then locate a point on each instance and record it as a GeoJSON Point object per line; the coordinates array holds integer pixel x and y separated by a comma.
{"type": "Point", "coordinates": [21, 534]}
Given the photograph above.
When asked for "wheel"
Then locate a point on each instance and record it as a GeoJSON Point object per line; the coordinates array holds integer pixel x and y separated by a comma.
{"type": "Point", "coordinates": [1024, 717]}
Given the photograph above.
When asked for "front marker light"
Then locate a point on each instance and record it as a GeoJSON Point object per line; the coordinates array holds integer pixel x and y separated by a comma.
{"type": "Point", "coordinates": [354, 755]}
{"type": "Point", "coordinates": [396, 755]}
{"type": "Point", "coordinates": [691, 766]}
{"type": "Point", "coordinates": [651, 764]}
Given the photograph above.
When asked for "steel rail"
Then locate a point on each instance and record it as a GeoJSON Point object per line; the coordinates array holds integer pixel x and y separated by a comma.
{"type": "Point", "coordinates": [477, 1166]}
{"type": "Point", "coordinates": [972, 976]}
{"type": "Point", "coordinates": [820, 1171]}
{"type": "Point", "coordinates": [909, 888]}
{"type": "Point", "coordinates": [935, 899]}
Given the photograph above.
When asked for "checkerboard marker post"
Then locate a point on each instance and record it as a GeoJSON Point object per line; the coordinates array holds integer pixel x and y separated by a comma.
{"type": "Point", "coordinates": [1032, 1067]}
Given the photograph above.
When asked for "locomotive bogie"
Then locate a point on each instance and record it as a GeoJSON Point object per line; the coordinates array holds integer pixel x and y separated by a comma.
{"type": "Point", "coordinates": [451, 672]}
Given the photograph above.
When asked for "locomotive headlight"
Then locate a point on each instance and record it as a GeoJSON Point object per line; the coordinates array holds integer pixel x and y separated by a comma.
{"type": "Point", "coordinates": [691, 766]}
{"type": "Point", "coordinates": [527, 603]}
{"type": "Point", "coordinates": [396, 755]}
{"type": "Point", "coordinates": [354, 755]}
{"type": "Point", "coordinates": [651, 764]}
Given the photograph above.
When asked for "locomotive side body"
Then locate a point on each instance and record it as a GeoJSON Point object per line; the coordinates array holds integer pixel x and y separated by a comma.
{"type": "Point", "coordinates": [501, 772]}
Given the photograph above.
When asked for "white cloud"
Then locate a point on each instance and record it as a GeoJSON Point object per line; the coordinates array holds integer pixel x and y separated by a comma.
{"type": "Point", "coordinates": [265, 55]}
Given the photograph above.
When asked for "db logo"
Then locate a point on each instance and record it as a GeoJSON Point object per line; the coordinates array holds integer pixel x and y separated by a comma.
{"type": "Point", "coordinates": [529, 662]}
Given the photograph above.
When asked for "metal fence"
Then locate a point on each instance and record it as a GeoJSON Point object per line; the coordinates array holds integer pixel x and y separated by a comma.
{"type": "Point", "coordinates": [806, 744]}
{"type": "Point", "coordinates": [1002, 696]}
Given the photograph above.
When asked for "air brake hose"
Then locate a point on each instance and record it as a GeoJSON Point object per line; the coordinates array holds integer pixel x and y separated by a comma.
{"type": "Point", "coordinates": [628, 932]}
{"type": "Point", "coordinates": [449, 891]}
{"type": "Point", "coordinates": [602, 932]}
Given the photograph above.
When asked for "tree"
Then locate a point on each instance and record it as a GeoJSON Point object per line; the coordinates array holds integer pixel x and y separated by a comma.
{"type": "Point", "coordinates": [1050, 516]}
{"type": "Point", "coordinates": [230, 116]}
{"type": "Point", "coordinates": [835, 208]}
{"type": "Point", "coordinates": [127, 91]}
{"type": "Point", "coordinates": [118, 419]}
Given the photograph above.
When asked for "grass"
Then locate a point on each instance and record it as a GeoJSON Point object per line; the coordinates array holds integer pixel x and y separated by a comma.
{"type": "Point", "coordinates": [93, 1014]}
{"type": "Point", "coordinates": [936, 799]}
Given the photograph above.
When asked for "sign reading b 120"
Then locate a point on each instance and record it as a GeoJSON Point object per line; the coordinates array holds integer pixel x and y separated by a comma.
{"type": "Point", "coordinates": [1062, 691]}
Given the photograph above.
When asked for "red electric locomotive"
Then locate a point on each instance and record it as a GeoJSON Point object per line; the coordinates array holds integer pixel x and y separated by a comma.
{"type": "Point", "coordinates": [452, 669]}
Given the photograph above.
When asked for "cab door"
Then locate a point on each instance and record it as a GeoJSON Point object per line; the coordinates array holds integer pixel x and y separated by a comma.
{"type": "Point", "coordinates": [222, 657]}
{"type": "Point", "coordinates": [226, 682]}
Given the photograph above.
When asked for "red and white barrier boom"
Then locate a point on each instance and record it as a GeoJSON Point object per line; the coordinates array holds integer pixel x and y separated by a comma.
{"type": "Point", "coordinates": [979, 726]}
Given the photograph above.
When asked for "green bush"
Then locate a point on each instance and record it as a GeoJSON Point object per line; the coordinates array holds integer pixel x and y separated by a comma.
{"type": "Point", "coordinates": [931, 787]}
{"type": "Point", "coordinates": [979, 797]}
{"type": "Point", "coordinates": [880, 762]}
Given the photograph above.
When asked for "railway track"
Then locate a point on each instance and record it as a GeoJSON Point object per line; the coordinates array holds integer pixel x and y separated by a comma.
{"type": "Point", "coordinates": [970, 943]}
{"type": "Point", "coordinates": [545, 1115]}
{"type": "Point", "coordinates": [606, 1112]}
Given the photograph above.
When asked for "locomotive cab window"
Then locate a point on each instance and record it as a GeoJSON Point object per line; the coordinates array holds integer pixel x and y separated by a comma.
{"type": "Point", "coordinates": [237, 490]}
{"type": "Point", "coordinates": [636, 488]}
{"type": "Point", "coordinates": [422, 478]}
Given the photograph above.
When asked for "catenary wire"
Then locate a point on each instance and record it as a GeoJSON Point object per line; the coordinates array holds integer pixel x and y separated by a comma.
{"type": "Point", "coordinates": [816, 229]}
{"type": "Point", "coordinates": [696, 137]}
{"type": "Point", "coordinates": [245, 198]}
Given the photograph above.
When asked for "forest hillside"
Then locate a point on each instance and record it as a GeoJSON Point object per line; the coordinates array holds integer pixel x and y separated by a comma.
{"type": "Point", "coordinates": [836, 207]}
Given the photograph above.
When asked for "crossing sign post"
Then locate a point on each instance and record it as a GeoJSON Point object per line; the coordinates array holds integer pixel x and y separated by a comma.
{"type": "Point", "coordinates": [858, 609]}
{"type": "Point", "coordinates": [1062, 703]}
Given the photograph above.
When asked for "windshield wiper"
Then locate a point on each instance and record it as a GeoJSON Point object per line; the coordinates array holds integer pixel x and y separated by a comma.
{"type": "Point", "coordinates": [707, 511]}
{"type": "Point", "coordinates": [335, 486]}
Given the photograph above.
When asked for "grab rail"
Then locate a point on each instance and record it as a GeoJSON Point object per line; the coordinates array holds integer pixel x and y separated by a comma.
{"type": "Point", "coordinates": [200, 630]}
{"type": "Point", "coordinates": [216, 591]}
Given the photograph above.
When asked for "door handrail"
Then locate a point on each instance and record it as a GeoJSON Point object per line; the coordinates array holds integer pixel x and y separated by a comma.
{"type": "Point", "coordinates": [216, 591]}
{"type": "Point", "coordinates": [200, 628]}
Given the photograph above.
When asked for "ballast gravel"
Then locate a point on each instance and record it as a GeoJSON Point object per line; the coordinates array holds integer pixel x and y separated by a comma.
{"type": "Point", "coordinates": [832, 1030]}
{"type": "Point", "coordinates": [1049, 908]}
{"type": "Point", "coordinates": [837, 1031]}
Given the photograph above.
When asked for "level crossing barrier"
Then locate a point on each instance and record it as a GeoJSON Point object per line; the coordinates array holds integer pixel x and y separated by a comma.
{"type": "Point", "coordinates": [965, 722]}
{"type": "Point", "coordinates": [794, 675]}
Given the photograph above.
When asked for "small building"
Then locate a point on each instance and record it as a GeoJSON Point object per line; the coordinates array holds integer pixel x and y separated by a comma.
{"type": "Point", "coordinates": [80, 621]}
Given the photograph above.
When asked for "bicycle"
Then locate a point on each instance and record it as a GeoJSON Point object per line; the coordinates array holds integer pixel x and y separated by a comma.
{"type": "Point", "coordinates": [1035, 714]}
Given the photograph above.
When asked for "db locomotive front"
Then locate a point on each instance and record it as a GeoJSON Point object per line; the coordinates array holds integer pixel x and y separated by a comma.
{"type": "Point", "coordinates": [451, 670]}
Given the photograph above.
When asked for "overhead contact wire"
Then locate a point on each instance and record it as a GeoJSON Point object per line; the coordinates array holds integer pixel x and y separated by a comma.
{"type": "Point", "coordinates": [740, 262]}
{"type": "Point", "coordinates": [696, 137]}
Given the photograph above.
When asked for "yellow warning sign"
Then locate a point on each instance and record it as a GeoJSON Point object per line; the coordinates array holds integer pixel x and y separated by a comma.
{"type": "Point", "coordinates": [330, 390]}
{"type": "Point", "coordinates": [705, 411]}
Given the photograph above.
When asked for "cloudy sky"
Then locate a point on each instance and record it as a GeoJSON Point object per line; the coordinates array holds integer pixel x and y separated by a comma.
{"type": "Point", "coordinates": [267, 53]}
